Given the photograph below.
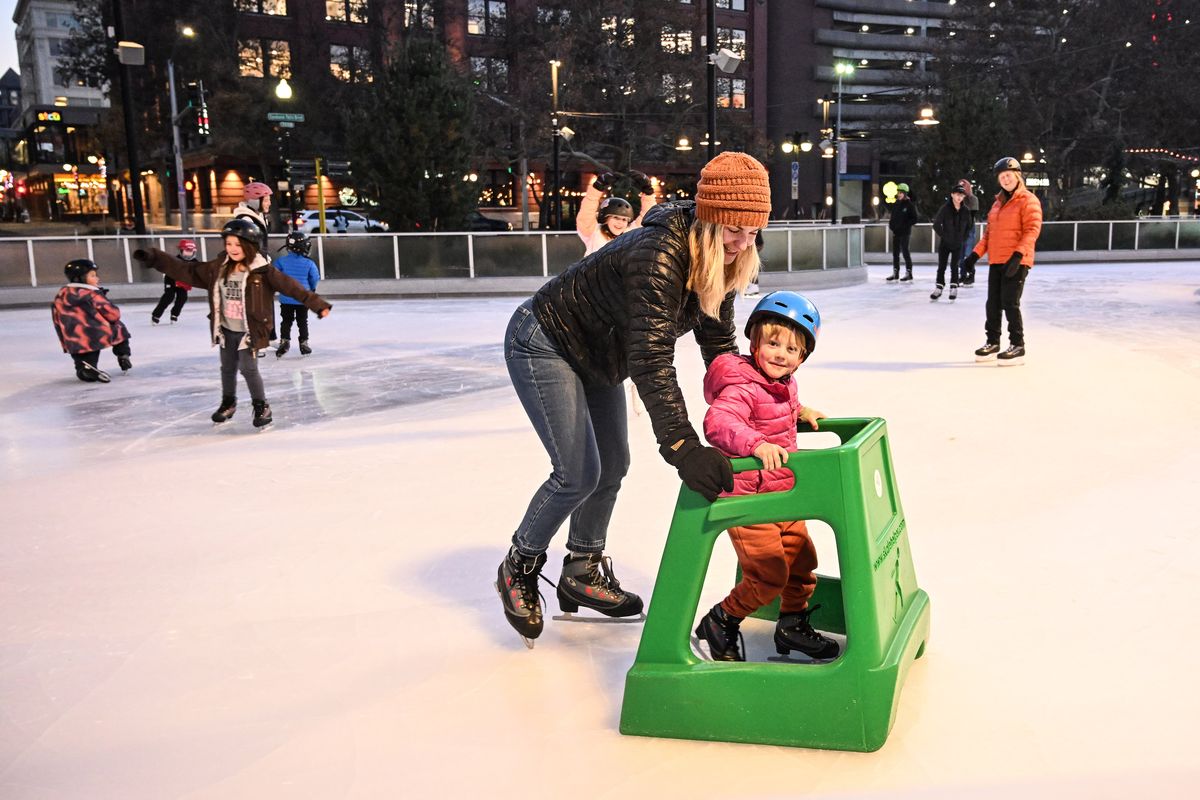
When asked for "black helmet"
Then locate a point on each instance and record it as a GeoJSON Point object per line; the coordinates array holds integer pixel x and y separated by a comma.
{"type": "Point", "coordinates": [245, 230]}
{"type": "Point", "coordinates": [77, 269]}
{"type": "Point", "coordinates": [298, 243]}
{"type": "Point", "coordinates": [614, 207]}
{"type": "Point", "coordinates": [1005, 164]}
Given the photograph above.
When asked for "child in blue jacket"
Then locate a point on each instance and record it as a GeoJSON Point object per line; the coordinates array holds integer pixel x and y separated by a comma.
{"type": "Point", "coordinates": [299, 267]}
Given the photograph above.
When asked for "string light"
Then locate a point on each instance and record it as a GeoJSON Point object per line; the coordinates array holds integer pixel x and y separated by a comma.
{"type": "Point", "coordinates": [1161, 151]}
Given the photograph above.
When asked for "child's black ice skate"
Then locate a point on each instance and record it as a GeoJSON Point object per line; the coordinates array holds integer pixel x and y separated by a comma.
{"type": "Point", "coordinates": [89, 374]}
{"type": "Point", "coordinates": [587, 580]}
{"type": "Point", "coordinates": [793, 632]}
{"type": "Point", "coordinates": [937, 292]}
{"type": "Point", "coordinates": [305, 350]}
{"type": "Point", "coordinates": [894, 277]}
{"type": "Point", "coordinates": [987, 352]}
{"type": "Point", "coordinates": [284, 346]}
{"type": "Point", "coordinates": [517, 585]}
{"type": "Point", "coordinates": [262, 414]}
{"type": "Point", "coordinates": [907, 277]}
{"type": "Point", "coordinates": [225, 410]}
{"type": "Point", "coordinates": [723, 634]}
{"type": "Point", "coordinates": [953, 291]}
{"type": "Point", "coordinates": [1012, 357]}
{"type": "Point", "coordinates": [124, 363]}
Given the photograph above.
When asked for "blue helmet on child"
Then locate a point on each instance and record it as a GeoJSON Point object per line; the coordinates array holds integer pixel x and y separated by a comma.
{"type": "Point", "coordinates": [791, 308]}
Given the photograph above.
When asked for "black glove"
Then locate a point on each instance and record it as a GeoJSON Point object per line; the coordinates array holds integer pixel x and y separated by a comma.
{"type": "Point", "coordinates": [969, 262]}
{"type": "Point", "coordinates": [104, 291]}
{"type": "Point", "coordinates": [604, 181]}
{"type": "Point", "coordinates": [1012, 265]}
{"type": "Point", "coordinates": [704, 469]}
{"type": "Point", "coordinates": [641, 182]}
{"type": "Point", "coordinates": [141, 255]}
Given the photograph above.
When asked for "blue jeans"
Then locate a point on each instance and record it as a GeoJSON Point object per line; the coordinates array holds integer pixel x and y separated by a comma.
{"type": "Point", "coordinates": [585, 431]}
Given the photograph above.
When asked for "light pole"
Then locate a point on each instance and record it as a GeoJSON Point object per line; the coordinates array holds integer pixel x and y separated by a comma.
{"type": "Point", "coordinates": [283, 91]}
{"type": "Point", "coordinates": [189, 32]}
{"type": "Point", "coordinates": [711, 72]}
{"type": "Point", "coordinates": [842, 69]}
{"type": "Point", "coordinates": [556, 209]}
{"type": "Point", "coordinates": [126, 57]}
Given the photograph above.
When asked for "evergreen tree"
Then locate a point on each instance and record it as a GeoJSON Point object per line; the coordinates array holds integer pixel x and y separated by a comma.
{"type": "Point", "coordinates": [413, 144]}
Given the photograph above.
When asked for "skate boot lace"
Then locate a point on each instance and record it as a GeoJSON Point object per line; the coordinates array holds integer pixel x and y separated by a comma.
{"type": "Point", "coordinates": [525, 580]}
{"type": "Point", "coordinates": [600, 572]}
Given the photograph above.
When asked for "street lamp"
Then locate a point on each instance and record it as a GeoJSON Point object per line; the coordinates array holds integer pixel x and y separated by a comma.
{"type": "Point", "coordinates": [129, 54]}
{"type": "Point", "coordinates": [842, 69]}
{"type": "Point", "coordinates": [556, 209]}
{"type": "Point", "coordinates": [187, 32]}
{"type": "Point", "coordinates": [283, 91]}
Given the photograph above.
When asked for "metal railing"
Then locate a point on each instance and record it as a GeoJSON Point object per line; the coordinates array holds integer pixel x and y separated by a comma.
{"type": "Point", "coordinates": [397, 256]}
{"type": "Point", "coordinates": [1065, 237]}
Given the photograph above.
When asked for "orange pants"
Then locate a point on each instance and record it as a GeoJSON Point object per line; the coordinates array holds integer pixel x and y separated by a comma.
{"type": "Point", "coordinates": [777, 558]}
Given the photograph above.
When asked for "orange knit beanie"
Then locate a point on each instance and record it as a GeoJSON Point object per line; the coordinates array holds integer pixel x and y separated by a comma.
{"type": "Point", "coordinates": [734, 191]}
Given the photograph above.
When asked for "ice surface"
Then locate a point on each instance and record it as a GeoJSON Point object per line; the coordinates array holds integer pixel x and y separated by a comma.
{"type": "Point", "coordinates": [200, 612]}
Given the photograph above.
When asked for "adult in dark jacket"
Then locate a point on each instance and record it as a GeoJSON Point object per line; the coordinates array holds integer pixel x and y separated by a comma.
{"type": "Point", "coordinates": [952, 224]}
{"type": "Point", "coordinates": [617, 314]}
{"type": "Point", "coordinates": [241, 286]}
{"type": "Point", "coordinates": [900, 223]}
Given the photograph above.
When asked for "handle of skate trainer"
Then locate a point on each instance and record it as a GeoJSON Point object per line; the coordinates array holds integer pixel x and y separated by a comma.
{"type": "Point", "coordinates": [845, 428]}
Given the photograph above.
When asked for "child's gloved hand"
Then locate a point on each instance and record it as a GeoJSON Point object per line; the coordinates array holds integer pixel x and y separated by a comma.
{"type": "Point", "coordinates": [810, 415]}
{"type": "Point", "coordinates": [772, 455]}
{"type": "Point", "coordinates": [641, 182]}
{"type": "Point", "coordinates": [969, 262]}
{"type": "Point", "coordinates": [1012, 265]}
{"type": "Point", "coordinates": [604, 181]}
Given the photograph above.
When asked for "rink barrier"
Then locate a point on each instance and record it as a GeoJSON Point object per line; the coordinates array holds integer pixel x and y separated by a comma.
{"type": "Point", "coordinates": [35, 262]}
{"type": "Point", "coordinates": [849, 703]}
{"type": "Point", "coordinates": [1084, 240]}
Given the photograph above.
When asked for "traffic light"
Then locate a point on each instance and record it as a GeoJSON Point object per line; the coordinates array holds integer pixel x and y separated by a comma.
{"type": "Point", "coordinates": [199, 103]}
{"type": "Point", "coordinates": [21, 189]}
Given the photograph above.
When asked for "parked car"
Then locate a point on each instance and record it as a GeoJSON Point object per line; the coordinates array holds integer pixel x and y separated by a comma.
{"type": "Point", "coordinates": [310, 222]}
{"type": "Point", "coordinates": [476, 221]}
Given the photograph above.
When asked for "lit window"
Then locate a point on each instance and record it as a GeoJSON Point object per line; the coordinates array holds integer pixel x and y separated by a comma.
{"type": "Point", "coordinates": [277, 8]}
{"type": "Point", "coordinates": [553, 16]}
{"type": "Point", "coordinates": [350, 64]}
{"type": "Point", "coordinates": [418, 14]}
{"type": "Point", "coordinates": [346, 10]}
{"type": "Point", "coordinates": [250, 58]}
{"type": "Point", "coordinates": [676, 40]}
{"type": "Point", "coordinates": [733, 39]}
{"type": "Point", "coordinates": [618, 30]}
{"type": "Point", "coordinates": [732, 5]}
{"type": "Point", "coordinates": [490, 74]}
{"type": "Point", "coordinates": [676, 89]}
{"type": "Point", "coordinates": [487, 17]}
{"type": "Point", "coordinates": [731, 92]}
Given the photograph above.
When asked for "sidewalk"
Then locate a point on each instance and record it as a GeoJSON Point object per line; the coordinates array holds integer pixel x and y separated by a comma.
{"type": "Point", "coordinates": [96, 227]}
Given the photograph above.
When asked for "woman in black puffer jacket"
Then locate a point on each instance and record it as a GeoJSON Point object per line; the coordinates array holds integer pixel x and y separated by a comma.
{"type": "Point", "coordinates": [617, 314]}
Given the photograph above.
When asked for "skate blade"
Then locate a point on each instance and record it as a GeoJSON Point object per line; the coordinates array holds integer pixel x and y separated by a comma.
{"type": "Point", "coordinates": [570, 616]}
{"type": "Point", "coordinates": [528, 642]}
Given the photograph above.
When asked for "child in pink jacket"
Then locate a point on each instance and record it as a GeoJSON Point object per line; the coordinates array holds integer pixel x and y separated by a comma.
{"type": "Point", "coordinates": [754, 411]}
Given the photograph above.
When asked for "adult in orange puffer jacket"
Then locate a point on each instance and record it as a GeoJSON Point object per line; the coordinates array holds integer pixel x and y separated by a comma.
{"type": "Point", "coordinates": [1013, 225]}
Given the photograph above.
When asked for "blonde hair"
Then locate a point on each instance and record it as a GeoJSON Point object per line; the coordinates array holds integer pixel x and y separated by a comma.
{"type": "Point", "coordinates": [709, 278]}
{"type": "Point", "coordinates": [765, 329]}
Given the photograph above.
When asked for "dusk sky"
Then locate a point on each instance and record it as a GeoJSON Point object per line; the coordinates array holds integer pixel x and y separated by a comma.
{"type": "Point", "coordinates": [8, 41]}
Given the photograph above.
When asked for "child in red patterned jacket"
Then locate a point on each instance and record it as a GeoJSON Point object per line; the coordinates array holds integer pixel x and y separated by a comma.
{"type": "Point", "coordinates": [86, 322]}
{"type": "Point", "coordinates": [754, 411]}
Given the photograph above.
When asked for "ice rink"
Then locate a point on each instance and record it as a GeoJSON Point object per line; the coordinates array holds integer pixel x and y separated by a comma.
{"type": "Point", "coordinates": [198, 612]}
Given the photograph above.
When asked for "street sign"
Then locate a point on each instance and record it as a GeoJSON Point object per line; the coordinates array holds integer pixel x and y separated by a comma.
{"type": "Point", "coordinates": [279, 116]}
{"type": "Point", "coordinates": [287, 124]}
{"type": "Point", "coordinates": [795, 180]}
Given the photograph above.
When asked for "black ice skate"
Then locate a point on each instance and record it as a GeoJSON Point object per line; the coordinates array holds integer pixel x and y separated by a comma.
{"type": "Point", "coordinates": [793, 632]}
{"type": "Point", "coordinates": [516, 583]}
{"type": "Point", "coordinates": [262, 413]}
{"type": "Point", "coordinates": [954, 291]}
{"type": "Point", "coordinates": [89, 374]}
{"type": "Point", "coordinates": [305, 350]}
{"type": "Point", "coordinates": [284, 346]}
{"type": "Point", "coordinates": [895, 276]}
{"type": "Point", "coordinates": [1013, 356]}
{"type": "Point", "coordinates": [937, 292]}
{"type": "Point", "coordinates": [987, 352]}
{"type": "Point", "coordinates": [124, 363]}
{"type": "Point", "coordinates": [153, 320]}
{"type": "Point", "coordinates": [587, 580]}
{"type": "Point", "coordinates": [225, 410]}
{"type": "Point", "coordinates": [174, 320]}
{"type": "Point", "coordinates": [723, 634]}
{"type": "Point", "coordinates": [907, 277]}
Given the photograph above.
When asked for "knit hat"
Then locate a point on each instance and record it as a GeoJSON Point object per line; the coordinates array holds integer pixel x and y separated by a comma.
{"type": "Point", "coordinates": [958, 189]}
{"type": "Point", "coordinates": [734, 190]}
